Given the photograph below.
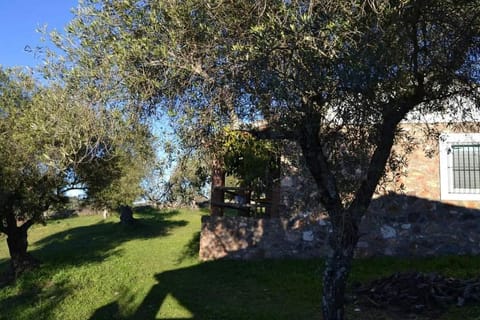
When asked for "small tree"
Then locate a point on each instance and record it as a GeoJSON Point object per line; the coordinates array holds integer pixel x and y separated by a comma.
{"type": "Point", "coordinates": [128, 163]}
{"type": "Point", "coordinates": [188, 179]}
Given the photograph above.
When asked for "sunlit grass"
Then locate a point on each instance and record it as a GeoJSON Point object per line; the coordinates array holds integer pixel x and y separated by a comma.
{"type": "Point", "coordinates": [89, 262]}
{"type": "Point", "coordinates": [99, 269]}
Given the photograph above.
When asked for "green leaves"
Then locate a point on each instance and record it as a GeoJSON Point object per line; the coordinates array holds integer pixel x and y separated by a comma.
{"type": "Point", "coordinates": [247, 158]}
{"type": "Point", "coordinates": [259, 29]}
{"type": "Point", "coordinates": [53, 138]}
{"type": "Point", "coordinates": [311, 67]}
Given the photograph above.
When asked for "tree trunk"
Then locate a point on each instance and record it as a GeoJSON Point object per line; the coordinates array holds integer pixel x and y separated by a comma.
{"type": "Point", "coordinates": [21, 261]}
{"type": "Point", "coordinates": [337, 269]}
{"type": "Point", "coordinates": [217, 194]}
{"type": "Point", "coordinates": [126, 215]}
{"type": "Point", "coordinates": [273, 190]}
{"type": "Point", "coordinates": [335, 277]}
{"type": "Point", "coordinates": [105, 213]}
{"type": "Point", "coordinates": [344, 236]}
{"type": "Point", "coordinates": [343, 240]}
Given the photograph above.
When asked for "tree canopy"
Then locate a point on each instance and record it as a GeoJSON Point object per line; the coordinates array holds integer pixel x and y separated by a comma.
{"type": "Point", "coordinates": [337, 77]}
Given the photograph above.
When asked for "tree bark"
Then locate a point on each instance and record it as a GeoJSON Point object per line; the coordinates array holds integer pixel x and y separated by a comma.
{"type": "Point", "coordinates": [126, 215]}
{"type": "Point", "coordinates": [343, 240]}
{"type": "Point", "coordinates": [17, 241]}
{"type": "Point", "coordinates": [216, 193]}
{"type": "Point", "coordinates": [21, 260]}
{"type": "Point", "coordinates": [334, 283]}
{"type": "Point", "coordinates": [344, 236]}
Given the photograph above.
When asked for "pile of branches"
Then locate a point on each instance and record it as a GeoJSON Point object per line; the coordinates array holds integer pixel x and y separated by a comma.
{"type": "Point", "coordinates": [416, 291]}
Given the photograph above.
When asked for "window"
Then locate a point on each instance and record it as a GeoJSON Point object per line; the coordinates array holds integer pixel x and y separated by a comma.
{"type": "Point", "coordinates": [460, 166]}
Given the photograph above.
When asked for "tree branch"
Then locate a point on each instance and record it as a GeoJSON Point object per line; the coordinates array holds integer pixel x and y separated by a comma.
{"type": "Point", "coordinates": [380, 156]}
{"type": "Point", "coordinates": [267, 133]}
{"type": "Point", "coordinates": [64, 190]}
{"type": "Point", "coordinates": [27, 224]}
{"type": "Point", "coordinates": [11, 221]}
{"type": "Point", "coordinates": [318, 165]}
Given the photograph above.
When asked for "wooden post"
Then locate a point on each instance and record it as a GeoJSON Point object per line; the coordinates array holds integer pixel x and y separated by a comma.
{"type": "Point", "coordinates": [217, 193]}
{"type": "Point", "coordinates": [273, 190]}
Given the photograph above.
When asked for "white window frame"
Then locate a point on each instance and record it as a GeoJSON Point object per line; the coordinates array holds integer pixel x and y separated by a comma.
{"type": "Point", "coordinates": [447, 140]}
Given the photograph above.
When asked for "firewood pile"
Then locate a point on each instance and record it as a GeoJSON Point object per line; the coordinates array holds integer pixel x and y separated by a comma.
{"type": "Point", "coordinates": [416, 291]}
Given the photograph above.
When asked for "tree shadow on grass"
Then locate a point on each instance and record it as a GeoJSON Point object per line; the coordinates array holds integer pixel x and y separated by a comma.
{"type": "Point", "coordinates": [191, 249]}
{"type": "Point", "coordinates": [45, 299]}
{"type": "Point", "coordinates": [96, 242]}
{"type": "Point", "coordinates": [151, 212]}
{"type": "Point", "coordinates": [228, 289]}
{"type": "Point", "coordinates": [268, 289]}
{"type": "Point", "coordinates": [109, 311]}
{"type": "Point", "coordinates": [76, 247]}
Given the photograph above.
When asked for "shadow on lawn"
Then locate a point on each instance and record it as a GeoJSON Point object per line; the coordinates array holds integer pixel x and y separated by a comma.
{"type": "Point", "coordinates": [79, 246]}
{"type": "Point", "coordinates": [191, 249]}
{"type": "Point", "coordinates": [231, 290]}
{"type": "Point", "coordinates": [96, 242]}
{"type": "Point", "coordinates": [282, 289]}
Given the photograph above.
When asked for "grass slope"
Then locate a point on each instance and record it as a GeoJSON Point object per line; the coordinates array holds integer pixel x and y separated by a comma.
{"type": "Point", "coordinates": [98, 269]}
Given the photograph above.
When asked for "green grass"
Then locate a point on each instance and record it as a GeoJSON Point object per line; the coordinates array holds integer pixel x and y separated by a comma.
{"type": "Point", "coordinates": [99, 269]}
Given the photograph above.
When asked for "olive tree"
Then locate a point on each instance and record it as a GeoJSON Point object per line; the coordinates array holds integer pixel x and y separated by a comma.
{"type": "Point", "coordinates": [130, 159]}
{"type": "Point", "coordinates": [52, 141]}
{"type": "Point", "coordinates": [337, 77]}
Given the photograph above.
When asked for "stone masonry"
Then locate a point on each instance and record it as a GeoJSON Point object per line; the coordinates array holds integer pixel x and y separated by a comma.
{"type": "Point", "coordinates": [405, 227]}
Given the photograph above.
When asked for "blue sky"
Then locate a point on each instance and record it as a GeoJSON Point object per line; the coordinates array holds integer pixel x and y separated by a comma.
{"type": "Point", "coordinates": [18, 21]}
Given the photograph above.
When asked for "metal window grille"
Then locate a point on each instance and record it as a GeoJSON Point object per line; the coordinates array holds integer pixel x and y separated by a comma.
{"type": "Point", "coordinates": [465, 168]}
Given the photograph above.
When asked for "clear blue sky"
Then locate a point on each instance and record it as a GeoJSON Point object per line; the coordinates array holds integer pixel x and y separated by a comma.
{"type": "Point", "coordinates": [18, 21]}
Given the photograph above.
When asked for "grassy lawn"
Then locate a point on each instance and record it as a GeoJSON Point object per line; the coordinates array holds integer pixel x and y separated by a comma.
{"type": "Point", "coordinates": [98, 269]}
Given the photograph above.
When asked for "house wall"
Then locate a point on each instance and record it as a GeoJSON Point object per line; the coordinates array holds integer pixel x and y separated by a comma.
{"type": "Point", "coordinates": [422, 178]}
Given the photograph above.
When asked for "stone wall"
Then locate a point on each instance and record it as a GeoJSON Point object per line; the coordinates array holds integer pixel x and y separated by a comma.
{"type": "Point", "coordinates": [402, 225]}
{"type": "Point", "coordinates": [395, 226]}
{"type": "Point", "coordinates": [250, 238]}
{"type": "Point", "coordinates": [299, 193]}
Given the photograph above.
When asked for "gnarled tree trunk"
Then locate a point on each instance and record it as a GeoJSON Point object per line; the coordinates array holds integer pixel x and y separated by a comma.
{"type": "Point", "coordinates": [344, 236]}
{"type": "Point", "coordinates": [17, 241]}
{"type": "Point", "coordinates": [334, 284]}
{"type": "Point", "coordinates": [343, 241]}
{"type": "Point", "coordinates": [21, 260]}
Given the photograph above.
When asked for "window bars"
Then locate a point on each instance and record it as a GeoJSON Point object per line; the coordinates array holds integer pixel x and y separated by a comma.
{"type": "Point", "coordinates": [464, 168]}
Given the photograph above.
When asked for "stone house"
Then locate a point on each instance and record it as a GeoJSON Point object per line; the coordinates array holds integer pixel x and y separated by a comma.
{"type": "Point", "coordinates": [433, 208]}
{"type": "Point", "coordinates": [445, 164]}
